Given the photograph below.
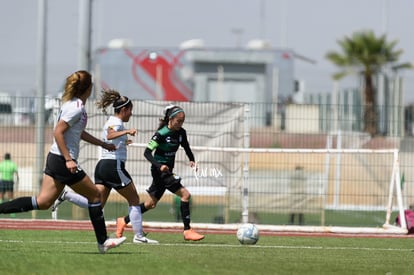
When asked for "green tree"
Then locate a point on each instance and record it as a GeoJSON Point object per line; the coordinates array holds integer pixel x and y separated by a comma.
{"type": "Point", "coordinates": [365, 54]}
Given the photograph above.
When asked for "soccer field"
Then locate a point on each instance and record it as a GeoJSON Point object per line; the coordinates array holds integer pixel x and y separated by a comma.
{"type": "Point", "coordinates": [75, 252]}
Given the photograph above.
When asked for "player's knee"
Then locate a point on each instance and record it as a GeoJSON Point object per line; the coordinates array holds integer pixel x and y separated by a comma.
{"type": "Point", "coordinates": [150, 204]}
{"type": "Point", "coordinates": [44, 205]}
{"type": "Point", "coordinates": [93, 197]}
{"type": "Point", "coordinates": [185, 195]}
{"type": "Point", "coordinates": [133, 202]}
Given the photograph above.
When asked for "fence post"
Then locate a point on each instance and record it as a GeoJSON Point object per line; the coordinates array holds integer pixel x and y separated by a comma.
{"type": "Point", "coordinates": [245, 193]}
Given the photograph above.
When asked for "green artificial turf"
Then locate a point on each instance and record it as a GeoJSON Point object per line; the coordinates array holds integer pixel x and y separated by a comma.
{"type": "Point", "coordinates": [75, 252]}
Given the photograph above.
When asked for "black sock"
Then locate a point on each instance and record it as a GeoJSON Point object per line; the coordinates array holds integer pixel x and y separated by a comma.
{"type": "Point", "coordinates": [143, 209]}
{"type": "Point", "coordinates": [22, 204]}
{"type": "Point", "coordinates": [127, 219]}
{"type": "Point", "coordinates": [98, 221]}
{"type": "Point", "coordinates": [185, 214]}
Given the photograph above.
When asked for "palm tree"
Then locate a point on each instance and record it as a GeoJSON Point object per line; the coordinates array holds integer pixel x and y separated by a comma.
{"type": "Point", "coordinates": [365, 54]}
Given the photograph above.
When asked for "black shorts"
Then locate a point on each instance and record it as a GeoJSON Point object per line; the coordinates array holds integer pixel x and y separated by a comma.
{"type": "Point", "coordinates": [56, 168]}
{"type": "Point", "coordinates": [112, 174]}
{"type": "Point", "coordinates": [6, 186]}
{"type": "Point", "coordinates": [163, 181]}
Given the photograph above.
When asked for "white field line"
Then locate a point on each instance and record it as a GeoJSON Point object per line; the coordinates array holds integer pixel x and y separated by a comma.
{"type": "Point", "coordinates": [226, 245]}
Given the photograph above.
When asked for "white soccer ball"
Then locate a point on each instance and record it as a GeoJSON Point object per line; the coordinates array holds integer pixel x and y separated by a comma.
{"type": "Point", "coordinates": [248, 234]}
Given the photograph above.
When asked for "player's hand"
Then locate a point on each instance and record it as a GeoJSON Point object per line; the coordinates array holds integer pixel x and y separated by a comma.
{"type": "Point", "coordinates": [164, 168]}
{"type": "Point", "coordinates": [72, 166]}
{"type": "Point", "coordinates": [132, 132]}
{"type": "Point", "coordinates": [194, 165]}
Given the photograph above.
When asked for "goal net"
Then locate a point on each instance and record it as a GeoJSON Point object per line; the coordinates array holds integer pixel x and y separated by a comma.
{"type": "Point", "coordinates": [345, 190]}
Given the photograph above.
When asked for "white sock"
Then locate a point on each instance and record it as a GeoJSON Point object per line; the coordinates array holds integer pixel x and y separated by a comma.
{"type": "Point", "coordinates": [136, 219]}
{"type": "Point", "coordinates": [77, 199]}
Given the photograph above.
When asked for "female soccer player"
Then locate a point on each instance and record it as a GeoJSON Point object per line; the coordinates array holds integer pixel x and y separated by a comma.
{"type": "Point", "coordinates": [166, 141]}
{"type": "Point", "coordinates": [61, 165]}
{"type": "Point", "coordinates": [110, 171]}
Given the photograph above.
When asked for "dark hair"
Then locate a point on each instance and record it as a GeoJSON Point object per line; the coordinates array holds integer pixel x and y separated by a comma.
{"type": "Point", "coordinates": [113, 97]}
{"type": "Point", "coordinates": [169, 112]}
{"type": "Point", "coordinates": [7, 156]}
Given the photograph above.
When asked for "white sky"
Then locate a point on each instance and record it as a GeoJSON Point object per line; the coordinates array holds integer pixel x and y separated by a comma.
{"type": "Point", "coordinates": [309, 27]}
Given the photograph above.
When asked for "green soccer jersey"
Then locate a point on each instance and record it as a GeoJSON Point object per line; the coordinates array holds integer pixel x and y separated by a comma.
{"type": "Point", "coordinates": [7, 170]}
{"type": "Point", "coordinates": [166, 143]}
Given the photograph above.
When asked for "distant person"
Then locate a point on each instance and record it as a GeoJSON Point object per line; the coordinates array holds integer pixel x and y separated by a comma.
{"type": "Point", "coordinates": [110, 172]}
{"type": "Point", "coordinates": [165, 143]}
{"type": "Point", "coordinates": [298, 196]}
{"type": "Point", "coordinates": [62, 167]}
{"type": "Point", "coordinates": [8, 169]}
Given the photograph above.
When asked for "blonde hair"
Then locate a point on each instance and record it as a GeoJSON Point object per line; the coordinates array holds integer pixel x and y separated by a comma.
{"type": "Point", "coordinates": [76, 85]}
{"type": "Point", "coordinates": [111, 96]}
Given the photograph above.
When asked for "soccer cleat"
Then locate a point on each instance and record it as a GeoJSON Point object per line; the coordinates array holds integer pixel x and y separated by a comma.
{"type": "Point", "coordinates": [120, 227]}
{"type": "Point", "coordinates": [110, 243]}
{"type": "Point", "coordinates": [143, 240]}
{"type": "Point", "coordinates": [59, 200]}
{"type": "Point", "coordinates": [191, 235]}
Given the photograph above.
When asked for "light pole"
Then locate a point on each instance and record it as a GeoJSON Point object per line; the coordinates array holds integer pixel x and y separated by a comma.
{"type": "Point", "coordinates": [85, 30]}
{"type": "Point", "coordinates": [41, 87]}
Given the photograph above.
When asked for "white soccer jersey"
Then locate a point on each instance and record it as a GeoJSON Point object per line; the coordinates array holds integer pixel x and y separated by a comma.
{"type": "Point", "coordinates": [120, 142]}
{"type": "Point", "coordinates": [74, 114]}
